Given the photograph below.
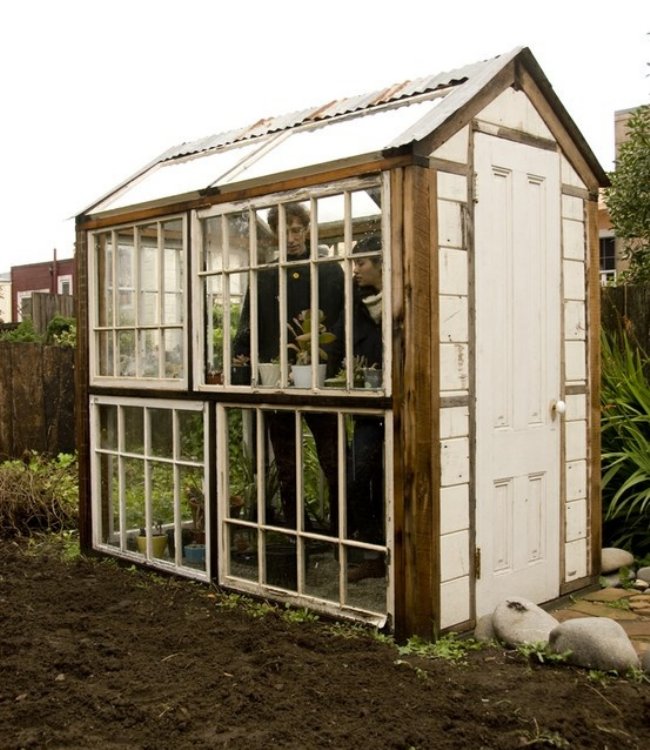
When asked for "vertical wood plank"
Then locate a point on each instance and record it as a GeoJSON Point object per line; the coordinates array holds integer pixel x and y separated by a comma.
{"type": "Point", "coordinates": [593, 385]}
{"type": "Point", "coordinates": [82, 411]}
{"type": "Point", "coordinates": [6, 401]}
{"type": "Point", "coordinates": [415, 522]}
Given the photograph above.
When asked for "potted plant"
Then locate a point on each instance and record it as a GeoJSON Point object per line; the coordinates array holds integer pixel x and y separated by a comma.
{"type": "Point", "coordinates": [269, 372]}
{"type": "Point", "coordinates": [303, 331]}
{"type": "Point", "coordinates": [158, 540]}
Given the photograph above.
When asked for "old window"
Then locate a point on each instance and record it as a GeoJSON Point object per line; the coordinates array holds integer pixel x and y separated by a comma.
{"type": "Point", "coordinates": [138, 315]}
{"type": "Point", "coordinates": [150, 480]}
{"type": "Point", "coordinates": [278, 291]}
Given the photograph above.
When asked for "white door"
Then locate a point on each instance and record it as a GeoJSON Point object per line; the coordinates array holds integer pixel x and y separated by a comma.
{"type": "Point", "coordinates": [518, 337]}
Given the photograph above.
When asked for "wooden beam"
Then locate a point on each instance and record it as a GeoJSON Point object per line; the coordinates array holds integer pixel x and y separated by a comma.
{"type": "Point", "coordinates": [229, 194]}
{"type": "Point", "coordinates": [417, 577]}
{"type": "Point", "coordinates": [593, 387]}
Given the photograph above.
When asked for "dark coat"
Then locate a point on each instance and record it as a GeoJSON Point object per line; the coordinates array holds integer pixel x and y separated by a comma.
{"type": "Point", "coordinates": [330, 300]}
{"type": "Point", "coordinates": [366, 336]}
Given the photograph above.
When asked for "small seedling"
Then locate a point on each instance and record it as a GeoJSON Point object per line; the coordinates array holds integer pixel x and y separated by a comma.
{"type": "Point", "coordinates": [542, 653]}
{"type": "Point", "coordinates": [450, 647]}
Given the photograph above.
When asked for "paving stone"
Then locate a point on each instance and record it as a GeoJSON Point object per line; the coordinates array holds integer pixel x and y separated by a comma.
{"type": "Point", "coordinates": [606, 595]}
{"type": "Point", "coordinates": [600, 609]}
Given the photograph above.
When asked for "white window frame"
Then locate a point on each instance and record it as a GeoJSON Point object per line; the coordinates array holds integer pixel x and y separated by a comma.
{"type": "Point", "coordinates": [176, 461]}
{"type": "Point", "coordinates": [133, 381]}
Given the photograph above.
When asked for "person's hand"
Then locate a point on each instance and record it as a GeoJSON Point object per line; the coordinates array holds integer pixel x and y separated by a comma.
{"type": "Point", "coordinates": [240, 360]}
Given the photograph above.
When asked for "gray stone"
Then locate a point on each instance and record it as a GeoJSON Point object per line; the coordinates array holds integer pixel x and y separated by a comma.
{"type": "Point", "coordinates": [613, 558]}
{"type": "Point", "coordinates": [484, 630]}
{"type": "Point", "coordinates": [644, 574]}
{"type": "Point", "coordinates": [594, 643]}
{"type": "Point", "coordinates": [640, 584]}
{"type": "Point", "coordinates": [517, 620]}
{"type": "Point", "coordinates": [645, 662]}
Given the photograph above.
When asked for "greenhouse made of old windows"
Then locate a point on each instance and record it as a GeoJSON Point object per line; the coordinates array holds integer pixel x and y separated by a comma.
{"type": "Point", "coordinates": [347, 358]}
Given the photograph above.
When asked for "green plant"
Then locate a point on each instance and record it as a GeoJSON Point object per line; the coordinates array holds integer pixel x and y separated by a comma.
{"type": "Point", "coordinates": [62, 331]}
{"type": "Point", "coordinates": [625, 395]}
{"type": "Point", "coordinates": [628, 197]}
{"type": "Point", "coordinates": [540, 651]}
{"type": "Point", "coordinates": [291, 614]}
{"type": "Point", "coordinates": [24, 332]}
{"type": "Point", "coordinates": [303, 332]}
{"type": "Point", "coordinates": [38, 494]}
{"type": "Point", "coordinates": [449, 647]}
{"type": "Point", "coordinates": [543, 738]}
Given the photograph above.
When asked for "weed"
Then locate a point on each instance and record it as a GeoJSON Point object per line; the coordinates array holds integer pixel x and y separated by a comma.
{"type": "Point", "coordinates": [600, 677]}
{"type": "Point", "coordinates": [543, 738]}
{"type": "Point", "coordinates": [291, 614]}
{"type": "Point", "coordinates": [622, 603]}
{"type": "Point", "coordinates": [450, 647]}
{"type": "Point", "coordinates": [639, 676]}
{"type": "Point", "coordinates": [540, 651]}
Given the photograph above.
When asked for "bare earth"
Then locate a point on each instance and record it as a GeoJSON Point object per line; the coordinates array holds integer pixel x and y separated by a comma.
{"type": "Point", "coordinates": [97, 656]}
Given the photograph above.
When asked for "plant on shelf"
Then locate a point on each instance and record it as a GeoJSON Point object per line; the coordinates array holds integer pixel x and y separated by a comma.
{"type": "Point", "coordinates": [158, 539]}
{"type": "Point", "coordinates": [303, 331]}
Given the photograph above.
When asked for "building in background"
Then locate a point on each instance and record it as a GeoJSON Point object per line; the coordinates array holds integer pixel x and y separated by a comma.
{"type": "Point", "coordinates": [5, 298]}
{"type": "Point", "coordinates": [612, 261]}
{"type": "Point", "coordinates": [53, 276]}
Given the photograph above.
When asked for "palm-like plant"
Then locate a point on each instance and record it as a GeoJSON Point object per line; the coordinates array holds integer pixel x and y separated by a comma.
{"type": "Point", "coordinates": [303, 331]}
{"type": "Point", "coordinates": [625, 398]}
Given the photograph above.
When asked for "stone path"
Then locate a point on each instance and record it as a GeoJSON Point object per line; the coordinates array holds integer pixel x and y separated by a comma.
{"type": "Point", "coordinates": [631, 609]}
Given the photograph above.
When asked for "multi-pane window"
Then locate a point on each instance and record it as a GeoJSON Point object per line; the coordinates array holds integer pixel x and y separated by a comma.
{"type": "Point", "coordinates": [139, 311]}
{"type": "Point", "coordinates": [305, 506]}
{"type": "Point", "coordinates": [295, 286]}
{"type": "Point", "coordinates": [607, 258]}
{"type": "Point", "coordinates": [150, 479]}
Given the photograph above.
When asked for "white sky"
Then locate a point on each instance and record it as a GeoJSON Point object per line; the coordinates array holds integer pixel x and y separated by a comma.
{"type": "Point", "coordinates": [91, 91]}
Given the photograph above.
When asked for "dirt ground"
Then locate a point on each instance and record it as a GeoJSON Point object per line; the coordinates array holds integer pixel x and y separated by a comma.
{"type": "Point", "coordinates": [93, 655]}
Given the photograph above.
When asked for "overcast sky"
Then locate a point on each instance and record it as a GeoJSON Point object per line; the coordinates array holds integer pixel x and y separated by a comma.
{"type": "Point", "coordinates": [91, 91]}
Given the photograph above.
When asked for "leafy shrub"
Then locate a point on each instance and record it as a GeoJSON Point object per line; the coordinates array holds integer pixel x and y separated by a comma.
{"type": "Point", "coordinates": [625, 443]}
{"type": "Point", "coordinates": [62, 330]}
{"type": "Point", "coordinates": [38, 494]}
{"type": "Point", "coordinates": [24, 332]}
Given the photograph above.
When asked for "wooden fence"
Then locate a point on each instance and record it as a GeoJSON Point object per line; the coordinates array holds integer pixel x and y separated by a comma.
{"type": "Point", "coordinates": [628, 308]}
{"type": "Point", "coordinates": [37, 395]}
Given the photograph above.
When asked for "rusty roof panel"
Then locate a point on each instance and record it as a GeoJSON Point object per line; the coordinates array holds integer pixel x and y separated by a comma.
{"type": "Point", "coordinates": [337, 108]}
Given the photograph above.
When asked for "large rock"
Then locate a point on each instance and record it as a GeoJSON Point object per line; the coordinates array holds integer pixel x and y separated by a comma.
{"type": "Point", "coordinates": [594, 643]}
{"type": "Point", "coordinates": [613, 558]}
{"type": "Point", "coordinates": [484, 630]}
{"type": "Point", "coordinates": [644, 574]}
{"type": "Point", "coordinates": [517, 620]}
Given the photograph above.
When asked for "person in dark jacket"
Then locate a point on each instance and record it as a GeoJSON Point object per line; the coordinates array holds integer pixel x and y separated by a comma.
{"type": "Point", "coordinates": [365, 472]}
{"type": "Point", "coordinates": [281, 423]}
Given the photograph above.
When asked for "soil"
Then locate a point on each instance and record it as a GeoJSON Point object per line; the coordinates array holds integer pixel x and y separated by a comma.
{"type": "Point", "coordinates": [94, 655]}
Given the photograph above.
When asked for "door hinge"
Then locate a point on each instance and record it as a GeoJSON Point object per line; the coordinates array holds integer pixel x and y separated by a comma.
{"type": "Point", "coordinates": [477, 563]}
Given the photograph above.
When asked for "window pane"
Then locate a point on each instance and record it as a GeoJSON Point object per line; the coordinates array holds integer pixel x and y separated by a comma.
{"type": "Point", "coordinates": [106, 364]}
{"type": "Point", "coordinates": [161, 430]}
{"type": "Point", "coordinates": [104, 259]}
{"type": "Point", "coordinates": [126, 352]}
{"type": "Point", "coordinates": [190, 428]}
{"type": "Point", "coordinates": [149, 353]}
{"type": "Point", "coordinates": [108, 426]}
{"type": "Point", "coordinates": [173, 344]}
{"type": "Point", "coordinates": [133, 429]}
{"type": "Point", "coordinates": [172, 276]}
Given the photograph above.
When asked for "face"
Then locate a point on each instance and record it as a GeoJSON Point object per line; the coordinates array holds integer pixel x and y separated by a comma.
{"type": "Point", "coordinates": [296, 237]}
{"type": "Point", "coordinates": [367, 273]}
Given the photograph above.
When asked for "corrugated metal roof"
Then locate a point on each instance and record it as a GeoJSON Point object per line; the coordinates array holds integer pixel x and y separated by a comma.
{"type": "Point", "coordinates": [337, 108]}
{"type": "Point", "coordinates": [450, 92]}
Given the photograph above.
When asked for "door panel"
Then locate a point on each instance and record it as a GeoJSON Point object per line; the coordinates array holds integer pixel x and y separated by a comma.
{"type": "Point", "coordinates": [517, 371]}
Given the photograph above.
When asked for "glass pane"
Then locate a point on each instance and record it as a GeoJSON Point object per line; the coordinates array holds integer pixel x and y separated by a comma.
{"type": "Point", "coordinates": [242, 467]}
{"type": "Point", "coordinates": [213, 243]}
{"type": "Point", "coordinates": [190, 428]}
{"type": "Point", "coordinates": [126, 353]}
{"type": "Point", "coordinates": [105, 353]}
{"type": "Point", "coordinates": [281, 560]}
{"type": "Point", "coordinates": [214, 330]}
{"type": "Point", "coordinates": [192, 511]}
{"type": "Point", "coordinates": [134, 493]}
{"type": "Point", "coordinates": [108, 426]}
{"type": "Point", "coordinates": [321, 570]}
{"type": "Point", "coordinates": [104, 292]}
{"type": "Point", "coordinates": [173, 342]}
{"type": "Point", "coordinates": [365, 479]}
{"type": "Point", "coordinates": [265, 237]}
{"type": "Point", "coordinates": [162, 496]}
{"type": "Point", "coordinates": [366, 211]}
{"type": "Point", "coordinates": [148, 274]}
{"type": "Point", "coordinates": [133, 429]}
{"type": "Point", "coordinates": [242, 547]}
{"type": "Point", "coordinates": [320, 471]}
{"type": "Point", "coordinates": [110, 500]}
{"type": "Point", "coordinates": [366, 576]}
{"type": "Point", "coordinates": [125, 279]}
{"type": "Point", "coordinates": [172, 277]}
{"type": "Point", "coordinates": [160, 427]}
{"type": "Point", "coordinates": [331, 225]}
{"type": "Point", "coordinates": [149, 353]}
{"type": "Point", "coordinates": [236, 241]}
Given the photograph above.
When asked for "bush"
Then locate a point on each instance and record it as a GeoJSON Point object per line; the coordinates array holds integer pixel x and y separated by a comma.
{"type": "Point", "coordinates": [38, 494]}
{"type": "Point", "coordinates": [625, 445]}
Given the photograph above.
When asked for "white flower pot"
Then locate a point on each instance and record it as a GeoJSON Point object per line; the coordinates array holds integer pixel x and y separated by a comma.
{"type": "Point", "coordinates": [302, 375]}
{"type": "Point", "coordinates": [269, 374]}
